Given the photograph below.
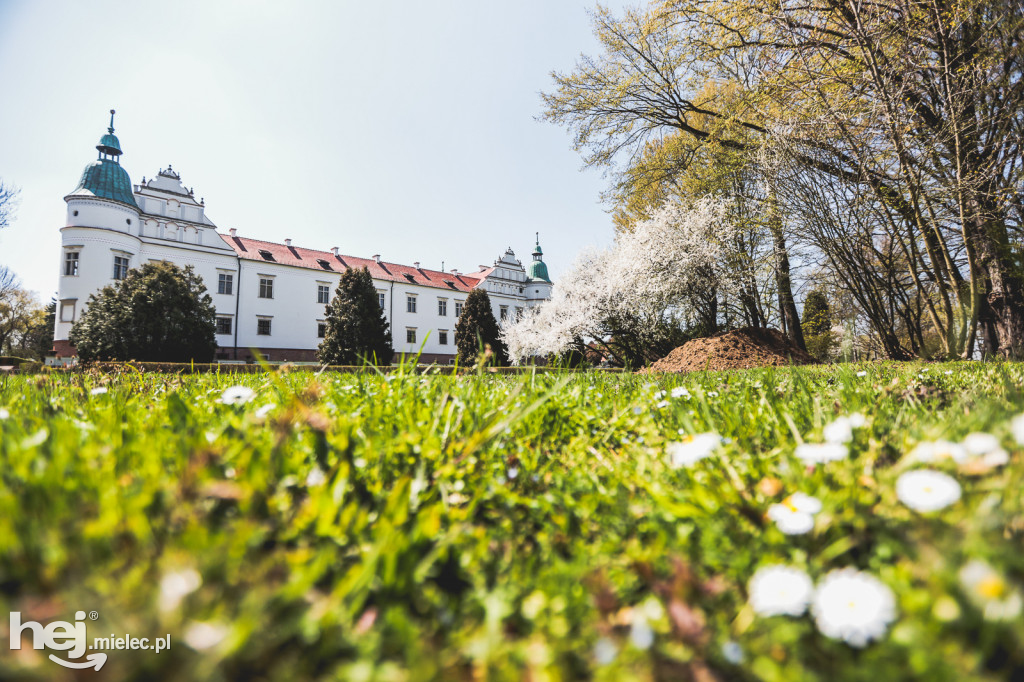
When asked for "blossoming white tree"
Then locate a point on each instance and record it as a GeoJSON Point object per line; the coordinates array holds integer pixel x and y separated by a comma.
{"type": "Point", "coordinates": [669, 268]}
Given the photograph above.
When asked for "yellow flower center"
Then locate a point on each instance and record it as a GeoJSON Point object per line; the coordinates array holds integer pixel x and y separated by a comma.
{"type": "Point", "coordinates": [788, 503]}
{"type": "Point", "coordinates": [992, 587]}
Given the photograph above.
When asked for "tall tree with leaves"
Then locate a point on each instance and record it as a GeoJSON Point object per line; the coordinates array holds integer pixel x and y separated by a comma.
{"type": "Point", "coordinates": [818, 325]}
{"type": "Point", "coordinates": [357, 330]}
{"type": "Point", "coordinates": [158, 313]}
{"type": "Point", "coordinates": [478, 329]}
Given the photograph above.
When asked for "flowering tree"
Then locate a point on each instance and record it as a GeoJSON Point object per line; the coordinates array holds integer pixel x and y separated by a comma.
{"type": "Point", "coordinates": [670, 268]}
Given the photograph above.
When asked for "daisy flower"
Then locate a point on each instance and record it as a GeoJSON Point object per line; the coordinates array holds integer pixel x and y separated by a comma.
{"type": "Point", "coordinates": [841, 430]}
{"type": "Point", "coordinates": [201, 636]}
{"type": "Point", "coordinates": [779, 591]}
{"type": "Point", "coordinates": [4, 414]}
{"type": "Point", "coordinates": [928, 452]}
{"type": "Point", "coordinates": [817, 453]}
{"type": "Point", "coordinates": [99, 390]}
{"type": "Point", "coordinates": [680, 392]}
{"type": "Point", "coordinates": [237, 395]}
{"type": "Point", "coordinates": [984, 453]}
{"type": "Point", "coordinates": [1017, 429]}
{"type": "Point", "coordinates": [925, 490]}
{"type": "Point", "coordinates": [176, 586]}
{"type": "Point", "coordinates": [795, 515]}
{"type": "Point", "coordinates": [692, 449]}
{"type": "Point", "coordinates": [997, 599]}
{"type": "Point", "coordinates": [862, 373]}
{"type": "Point", "coordinates": [853, 606]}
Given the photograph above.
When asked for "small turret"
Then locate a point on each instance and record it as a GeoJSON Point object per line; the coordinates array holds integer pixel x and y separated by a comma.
{"type": "Point", "coordinates": [104, 177]}
{"type": "Point", "coordinates": [538, 270]}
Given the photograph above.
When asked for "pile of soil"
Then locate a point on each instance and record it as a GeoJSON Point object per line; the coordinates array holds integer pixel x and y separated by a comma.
{"type": "Point", "coordinates": [739, 349]}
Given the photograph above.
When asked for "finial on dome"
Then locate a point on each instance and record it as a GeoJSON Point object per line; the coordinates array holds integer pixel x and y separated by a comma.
{"type": "Point", "coordinates": [111, 128]}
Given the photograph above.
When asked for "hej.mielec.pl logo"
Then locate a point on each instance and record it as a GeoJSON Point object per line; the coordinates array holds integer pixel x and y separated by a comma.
{"type": "Point", "coordinates": [72, 638]}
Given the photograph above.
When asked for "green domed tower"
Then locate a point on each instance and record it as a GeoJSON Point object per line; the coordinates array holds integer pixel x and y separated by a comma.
{"type": "Point", "coordinates": [538, 270]}
{"type": "Point", "coordinates": [104, 177]}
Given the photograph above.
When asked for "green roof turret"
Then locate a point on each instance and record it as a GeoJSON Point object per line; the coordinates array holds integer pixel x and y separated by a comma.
{"type": "Point", "coordinates": [538, 269]}
{"type": "Point", "coordinates": [105, 177]}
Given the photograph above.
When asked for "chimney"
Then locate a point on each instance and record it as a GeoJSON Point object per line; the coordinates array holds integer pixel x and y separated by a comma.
{"type": "Point", "coordinates": [376, 257]}
{"type": "Point", "coordinates": [232, 231]}
{"type": "Point", "coordinates": [287, 242]}
{"type": "Point", "coordinates": [334, 250]}
{"type": "Point", "coordinates": [416, 265]}
{"type": "Point", "coordinates": [455, 272]}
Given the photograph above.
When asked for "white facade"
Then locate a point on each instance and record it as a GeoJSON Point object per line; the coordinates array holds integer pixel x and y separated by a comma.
{"type": "Point", "coordinates": [269, 296]}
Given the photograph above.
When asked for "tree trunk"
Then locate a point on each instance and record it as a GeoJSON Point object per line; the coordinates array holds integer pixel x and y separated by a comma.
{"type": "Point", "coordinates": [787, 305]}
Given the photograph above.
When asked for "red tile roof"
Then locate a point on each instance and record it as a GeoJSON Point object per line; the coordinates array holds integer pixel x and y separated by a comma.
{"type": "Point", "coordinates": [299, 257]}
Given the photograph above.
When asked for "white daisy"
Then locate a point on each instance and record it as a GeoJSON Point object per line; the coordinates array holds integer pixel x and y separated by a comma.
{"type": "Point", "coordinates": [692, 449]}
{"type": "Point", "coordinates": [237, 395]}
{"type": "Point", "coordinates": [201, 636]}
{"type": "Point", "coordinates": [99, 390]}
{"type": "Point", "coordinates": [680, 392]}
{"type": "Point", "coordinates": [315, 477]}
{"type": "Point", "coordinates": [853, 606]}
{"type": "Point", "coordinates": [177, 585]}
{"type": "Point", "coordinates": [862, 373]}
{"type": "Point", "coordinates": [4, 414]}
{"type": "Point", "coordinates": [641, 634]}
{"type": "Point", "coordinates": [988, 589]}
{"type": "Point", "coordinates": [662, 404]}
{"type": "Point", "coordinates": [605, 651]}
{"type": "Point", "coordinates": [841, 430]}
{"type": "Point", "coordinates": [1017, 429]}
{"type": "Point", "coordinates": [817, 453]}
{"type": "Point", "coordinates": [265, 410]}
{"type": "Point", "coordinates": [980, 443]}
{"type": "Point", "coordinates": [925, 490]}
{"type": "Point", "coordinates": [779, 591]}
{"type": "Point", "coordinates": [795, 515]}
{"type": "Point", "coordinates": [933, 451]}
{"type": "Point", "coordinates": [984, 453]}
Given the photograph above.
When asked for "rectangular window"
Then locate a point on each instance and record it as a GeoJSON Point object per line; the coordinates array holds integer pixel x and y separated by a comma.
{"type": "Point", "coordinates": [380, 299]}
{"type": "Point", "coordinates": [442, 337]}
{"type": "Point", "coordinates": [442, 307]}
{"type": "Point", "coordinates": [263, 327]}
{"type": "Point", "coordinates": [225, 283]}
{"type": "Point", "coordinates": [223, 325]}
{"type": "Point", "coordinates": [519, 313]}
{"type": "Point", "coordinates": [71, 263]}
{"type": "Point", "coordinates": [410, 304]}
{"type": "Point", "coordinates": [120, 267]}
{"type": "Point", "coordinates": [504, 312]}
{"type": "Point", "coordinates": [458, 309]}
{"type": "Point", "coordinates": [323, 293]}
{"type": "Point", "coordinates": [266, 288]}
{"type": "Point", "coordinates": [321, 330]}
{"type": "Point", "coordinates": [410, 336]}
{"type": "Point", "coordinates": [67, 311]}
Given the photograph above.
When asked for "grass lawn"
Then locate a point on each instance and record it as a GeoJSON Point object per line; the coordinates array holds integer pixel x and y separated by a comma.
{"type": "Point", "coordinates": [549, 527]}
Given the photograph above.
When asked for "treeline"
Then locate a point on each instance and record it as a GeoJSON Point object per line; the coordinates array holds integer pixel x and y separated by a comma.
{"type": "Point", "coordinates": [870, 152]}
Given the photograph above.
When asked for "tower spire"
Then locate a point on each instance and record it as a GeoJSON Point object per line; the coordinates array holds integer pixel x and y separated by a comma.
{"type": "Point", "coordinates": [111, 128]}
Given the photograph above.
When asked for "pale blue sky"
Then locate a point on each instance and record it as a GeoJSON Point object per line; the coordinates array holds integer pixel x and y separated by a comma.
{"type": "Point", "coordinates": [400, 128]}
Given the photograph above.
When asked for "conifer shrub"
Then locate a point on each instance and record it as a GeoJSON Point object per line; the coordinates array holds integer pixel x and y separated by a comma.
{"type": "Point", "coordinates": [357, 330]}
{"type": "Point", "coordinates": [477, 330]}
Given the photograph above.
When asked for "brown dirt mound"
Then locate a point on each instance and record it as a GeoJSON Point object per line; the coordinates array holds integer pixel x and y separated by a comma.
{"type": "Point", "coordinates": [739, 349]}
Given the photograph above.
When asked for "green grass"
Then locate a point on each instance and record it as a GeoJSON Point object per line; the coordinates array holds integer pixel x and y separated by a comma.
{"type": "Point", "coordinates": [409, 527]}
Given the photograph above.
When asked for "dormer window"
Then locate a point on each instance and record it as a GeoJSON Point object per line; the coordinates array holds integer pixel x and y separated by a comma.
{"type": "Point", "coordinates": [324, 264]}
{"type": "Point", "coordinates": [266, 255]}
{"type": "Point", "coordinates": [410, 277]}
{"type": "Point", "coordinates": [450, 283]}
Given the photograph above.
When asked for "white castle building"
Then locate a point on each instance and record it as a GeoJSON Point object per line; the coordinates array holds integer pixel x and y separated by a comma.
{"type": "Point", "coordinates": [269, 297]}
